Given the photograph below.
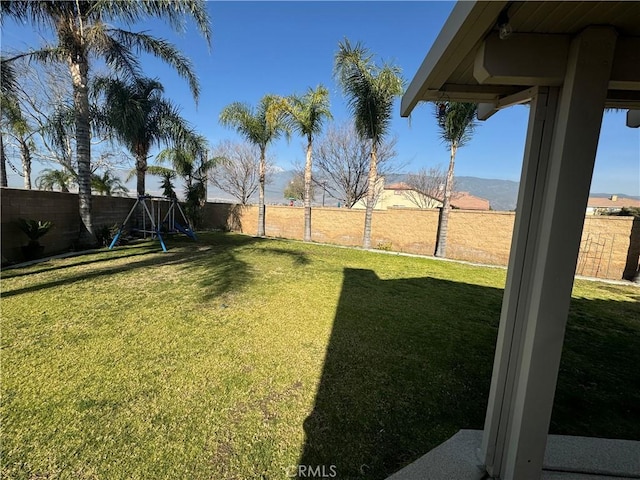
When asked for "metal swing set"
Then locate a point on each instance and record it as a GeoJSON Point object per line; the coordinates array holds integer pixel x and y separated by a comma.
{"type": "Point", "coordinates": [153, 213]}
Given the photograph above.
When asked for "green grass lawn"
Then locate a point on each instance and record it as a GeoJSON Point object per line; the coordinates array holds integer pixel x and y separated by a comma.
{"type": "Point", "coordinates": [237, 358]}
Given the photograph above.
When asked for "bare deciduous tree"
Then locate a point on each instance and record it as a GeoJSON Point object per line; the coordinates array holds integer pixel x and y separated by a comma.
{"type": "Point", "coordinates": [44, 96]}
{"type": "Point", "coordinates": [237, 171]}
{"type": "Point", "coordinates": [295, 189]}
{"type": "Point", "coordinates": [342, 163]}
{"type": "Point", "coordinates": [426, 187]}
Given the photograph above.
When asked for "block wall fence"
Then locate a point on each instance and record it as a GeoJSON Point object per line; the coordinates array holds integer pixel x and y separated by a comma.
{"type": "Point", "coordinates": [610, 246]}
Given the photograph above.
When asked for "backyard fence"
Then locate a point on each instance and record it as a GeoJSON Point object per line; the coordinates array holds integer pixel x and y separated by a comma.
{"type": "Point", "coordinates": [610, 246]}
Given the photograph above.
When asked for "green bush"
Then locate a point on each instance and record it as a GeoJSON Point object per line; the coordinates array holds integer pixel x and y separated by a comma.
{"type": "Point", "coordinates": [33, 229]}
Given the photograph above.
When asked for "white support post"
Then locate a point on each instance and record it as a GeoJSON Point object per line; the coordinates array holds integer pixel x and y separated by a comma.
{"type": "Point", "coordinates": [527, 224]}
{"type": "Point", "coordinates": [556, 177]}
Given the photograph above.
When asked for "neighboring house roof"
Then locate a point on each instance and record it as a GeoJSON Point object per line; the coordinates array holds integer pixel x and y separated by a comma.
{"type": "Point", "coordinates": [397, 186]}
{"type": "Point", "coordinates": [461, 200]}
{"type": "Point", "coordinates": [466, 201]}
{"type": "Point", "coordinates": [612, 202]}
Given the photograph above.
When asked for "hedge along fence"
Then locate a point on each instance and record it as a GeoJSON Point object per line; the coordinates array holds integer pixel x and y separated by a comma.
{"type": "Point", "coordinates": [610, 246]}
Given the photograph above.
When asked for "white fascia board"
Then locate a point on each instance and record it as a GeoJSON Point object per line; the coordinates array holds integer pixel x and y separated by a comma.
{"type": "Point", "coordinates": [466, 26]}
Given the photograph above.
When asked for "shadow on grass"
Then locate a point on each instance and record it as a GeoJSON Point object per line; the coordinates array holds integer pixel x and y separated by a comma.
{"type": "Point", "coordinates": [45, 266]}
{"type": "Point", "coordinates": [409, 364]}
{"type": "Point", "coordinates": [215, 253]}
{"type": "Point", "coordinates": [299, 258]}
{"type": "Point", "coordinates": [216, 256]}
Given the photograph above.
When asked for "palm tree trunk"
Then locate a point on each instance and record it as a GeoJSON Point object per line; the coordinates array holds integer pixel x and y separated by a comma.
{"type": "Point", "coordinates": [141, 171]}
{"type": "Point", "coordinates": [307, 194]}
{"type": "Point", "coordinates": [205, 180]}
{"type": "Point", "coordinates": [3, 165]}
{"type": "Point", "coordinates": [371, 195]}
{"type": "Point", "coordinates": [443, 224]}
{"type": "Point", "coordinates": [79, 68]}
{"type": "Point", "coordinates": [25, 156]}
{"type": "Point", "coordinates": [261, 207]}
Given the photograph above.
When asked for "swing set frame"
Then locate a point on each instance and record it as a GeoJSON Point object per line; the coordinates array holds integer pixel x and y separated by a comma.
{"type": "Point", "coordinates": [149, 212]}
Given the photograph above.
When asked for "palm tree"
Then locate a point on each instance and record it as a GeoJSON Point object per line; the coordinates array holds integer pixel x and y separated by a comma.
{"type": "Point", "coordinates": [7, 91]}
{"type": "Point", "coordinates": [371, 91]}
{"type": "Point", "coordinates": [307, 115]}
{"type": "Point", "coordinates": [18, 128]}
{"type": "Point", "coordinates": [50, 179]}
{"type": "Point", "coordinates": [139, 116]}
{"type": "Point", "coordinates": [188, 158]}
{"type": "Point", "coordinates": [84, 31]}
{"type": "Point", "coordinates": [190, 161]}
{"type": "Point", "coordinates": [107, 184]}
{"type": "Point", "coordinates": [260, 127]}
{"type": "Point", "coordinates": [456, 122]}
{"type": "Point", "coordinates": [167, 175]}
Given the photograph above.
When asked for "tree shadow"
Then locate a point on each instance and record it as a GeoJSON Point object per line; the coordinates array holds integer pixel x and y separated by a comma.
{"type": "Point", "coordinates": [215, 253]}
{"type": "Point", "coordinates": [299, 258]}
{"type": "Point", "coordinates": [409, 363]}
{"type": "Point", "coordinates": [216, 257]}
{"type": "Point", "coordinates": [76, 261]}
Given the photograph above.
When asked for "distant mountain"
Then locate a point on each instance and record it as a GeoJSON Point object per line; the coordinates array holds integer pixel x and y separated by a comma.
{"type": "Point", "coordinates": [502, 194]}
{"type": "Point", "coordinates": [620, 195]}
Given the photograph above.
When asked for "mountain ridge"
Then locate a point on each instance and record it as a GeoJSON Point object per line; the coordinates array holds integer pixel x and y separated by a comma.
{"type": "Point", "coordinates": [502, 194]}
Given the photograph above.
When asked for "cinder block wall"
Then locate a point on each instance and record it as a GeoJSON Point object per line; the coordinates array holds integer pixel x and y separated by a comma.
{"type": "Point", "coordinates": [610, 246]}
{"type": "Point", "coordinates": [405, 230]}
{"type": "Point", "coordinates": [59, 208]}
{"type": "Point", "coordinates": [483, 237]}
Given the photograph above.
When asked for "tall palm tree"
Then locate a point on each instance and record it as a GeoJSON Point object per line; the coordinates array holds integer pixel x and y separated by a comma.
{"type": "Point", "coordinates": [19, 129]}
{"type": "Point", "coordinates": [140, 117]}
{"type": "Point", "coordinates": [371, 91]}
{"type": "Point", "coordinates": [84, 32]}
{"type": "Point", "coordinates": [456, 122]}
{"type": "Point", "coordinates": [259, 126]}
{"type": "Point", "coordinates": [307, 114]}
{"type": "Point", "coordinates": [7, 92]}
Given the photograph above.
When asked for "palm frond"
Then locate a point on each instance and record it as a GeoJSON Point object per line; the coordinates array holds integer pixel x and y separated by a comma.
{"type": "Point", "coordinates": [370, 90]}
{"type": "Point", "coordinates": [37, 13]}
{"type": "Point", "coordinates": [117, 55]}
{"type": "Point", "coordinates": [456, 121]}
{"type": "Point", "coordinates": [242, 118]}
{"type": "Point", "coordinates": [162, 49]}
{"type": "Point", "coordinates": [160, 171]}
{"type": "Point", "coordinates": [49, 179]}
{"type": "Point", "coordinates": [307, 113]}
{"type": "Point", "coordinates": [107, 184]}
{"type": "Point", "coordinates": [172, 11]}
{"type": "Point", "coordinates": [7, 76]}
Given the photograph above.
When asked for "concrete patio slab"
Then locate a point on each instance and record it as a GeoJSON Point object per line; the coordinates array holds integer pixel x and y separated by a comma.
{"type": "Point", "coordinates": [566, 458]}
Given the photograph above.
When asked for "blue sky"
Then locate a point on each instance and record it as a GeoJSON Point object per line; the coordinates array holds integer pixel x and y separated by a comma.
{"type": "Point", "coordinates": [286, 47]}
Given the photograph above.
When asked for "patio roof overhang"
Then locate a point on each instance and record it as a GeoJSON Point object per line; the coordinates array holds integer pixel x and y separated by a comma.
{"type": "Point", "coordinates": [570, 61]}
{"type": "Point", "coordinates": [469, 62]}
